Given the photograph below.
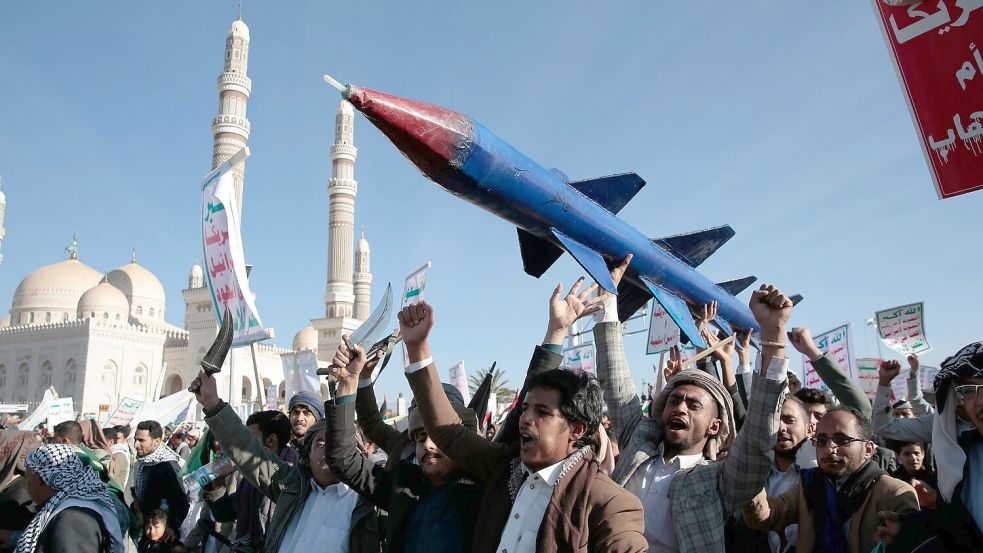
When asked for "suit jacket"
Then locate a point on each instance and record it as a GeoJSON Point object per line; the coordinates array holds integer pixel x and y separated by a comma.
{"type": "Point", "coordinates": [775, 513]}
{"type": "Point", "coordinates": [705, 495]}
{"type": "Point", "coordinates": [587, 511]}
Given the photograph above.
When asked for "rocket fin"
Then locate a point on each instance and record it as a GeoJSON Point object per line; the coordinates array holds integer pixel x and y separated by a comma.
{"type": "Point", "coordinates": [612, 192]}
{"type": "Point", "coordinates": [693, 248]}
{"type": "Point", "coordinates": [796, 299]}
{"type": "Point", "coordinates": [538, 255]}
{"type": "Point", "coordinates": [738, 285]}
{"type": "Point", "coordinates": [630, 299]}
{"type": "Point", "coordinates": [590, 260]}
{"type": "Point", "coordinates": [677, 309]}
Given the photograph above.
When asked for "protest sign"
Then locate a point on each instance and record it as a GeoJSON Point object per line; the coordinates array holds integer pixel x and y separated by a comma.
{"type": "Point", "coordinates": [166, 409]}
{"type": "Point", "coordinates": [40, 413]}
{"type": "Point", "coordinates": [867, 375]}
{"type": "Point", "coordinates": [837, 344]}
{"type": "Point", "coordinates": [579, 358]}
{"type": "Point", "coordinates": [13, 407]}
{"type": "Point", "coordinates": [459, 378]}
{"type": "Point", "coordinates": [60, 410]}
{"type": "Point", "coordinates": [300, 373]}
{"type": "Point", "coordinates": [899, 386]}
{"type": "Point", "coordinates": [903, 328]}
{"type": "Point", "coordinates": [124, 412]}
{"type": "Point", "coordinates": [272, 397]}
{"type": "Point", "coordinates": [663, 332]}
{"type": "Point", "coordinates": [926, 378]}
{"type": "Point", "coordinates": [414, 290]}
{"type": "Point", "coordinates": [940, 67]}
{"type": "Point", "coordinates": [225, 265]}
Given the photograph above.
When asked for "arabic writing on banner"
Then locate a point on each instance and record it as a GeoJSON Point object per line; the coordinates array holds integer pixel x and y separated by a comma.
{"type": "Point", "coordinates": [837, 344]}
{"type": "Point", "coordinates": [459, 378]}
{"type": "Point", "coordinates": [926, 378]}
{"type": "Point", "coordinates": [940, 67]}
{"type": "Point", "coordinates": [225, 265]}
{"type": "Point", "coordinates": [60, 410]}
{"type": "Point", "coordinates": [300, 373]}
{"type": "Point", "coordinates": [580, 359]}
{"type": "Point", "coordinates": [903, 328]}
{"type": "Point", "coordinates": [414, 290]}
{"type": "Point", "coordinates": [663, 332]}
{"type": "Point", "coordinates": [124, 412]}
{"type": "Point", "coordinates": [867, 375]}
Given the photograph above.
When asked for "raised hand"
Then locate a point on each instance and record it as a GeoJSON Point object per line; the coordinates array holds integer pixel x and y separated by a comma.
{"type": "Point", "coordinates": [674, 364]}
{"type": "Point", "coordinates": [618, 271]}
{"type": "Point", "coordinates": [744, 354]}
{"type": "Point", "coordinates": [205, 390]}
{"type": "Point", "coordinates": [886, 372]}
{"type": "Point", "coordinates": [913, 363]}
{"type": "Point", "coordinates": [564, 310]}
{"type": "Point", "coordinates": [801, 339]}
{"type": "Point", "coordinates": [771, 309]}
{"type": "Point", "coordinates": [706, 315]}
{"type": "Point", "coordinates": [415, 323]}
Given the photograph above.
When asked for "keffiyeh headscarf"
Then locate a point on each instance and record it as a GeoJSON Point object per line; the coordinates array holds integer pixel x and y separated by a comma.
{"type": "Point", "coordinates": [60, 468]}
{"type": "Point", "coordinates": [949, 456]}
{"type": "Point", "coordinates": [162, 454]}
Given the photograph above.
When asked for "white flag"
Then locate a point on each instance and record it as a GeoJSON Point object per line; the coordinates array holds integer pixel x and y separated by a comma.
{"type": "Point", "coordinates": [300, 373]}
{"type": "Point", "coordinates": [459, 378]}
{"type": "Point", "coordinates": [225, 266]}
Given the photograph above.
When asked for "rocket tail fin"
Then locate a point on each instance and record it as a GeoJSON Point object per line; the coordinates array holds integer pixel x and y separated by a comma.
{"type": "Point", "coordinates": [677, 308]}
{"type": "Point", "coordinates": [693, 248]}
{"type": "Point", "coordinates": [738, 285]}
{"type": "Point", "coordinates": [538, 255]}
{"type": "Point", "coordinates": [590, 260]}
{"type": "Point", "coordinates": [612, 192]}
{"type": "Point", "coordinates": [796, 299]}
{"type": "Point", "coordinates": [631, 298]}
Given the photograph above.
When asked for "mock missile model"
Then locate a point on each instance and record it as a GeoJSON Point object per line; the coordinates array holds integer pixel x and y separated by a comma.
{"type": "Point", "coordinates": [554, 214]}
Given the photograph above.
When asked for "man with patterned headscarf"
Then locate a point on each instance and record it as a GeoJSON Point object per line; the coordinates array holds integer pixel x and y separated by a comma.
{"type": "Point", "coordinates": [957, 445]}
{"type": "Point", "coordinates": [75, 512]}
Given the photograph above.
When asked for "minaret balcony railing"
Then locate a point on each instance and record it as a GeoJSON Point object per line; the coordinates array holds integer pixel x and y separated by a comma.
{"type": "Point", "coordinates": [231, 124]}
{"type": "Point", "coordinates": [344, 151]}
{"type": "Point", "coordinates": [235, 81]}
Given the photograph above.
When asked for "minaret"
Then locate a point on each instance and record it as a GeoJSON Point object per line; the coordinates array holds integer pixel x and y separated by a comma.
{"type": "Point", "coordinates": [363, 280]}
{"type": "Point", "coordinates": [230, 128]}
{"type": "Point", "coordinates": [339, 297]}
{"type": "Point", "coordinates": [3, 207]}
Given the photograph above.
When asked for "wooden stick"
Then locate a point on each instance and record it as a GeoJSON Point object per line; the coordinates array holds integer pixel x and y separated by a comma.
{"type": "Point", "coordinates": [708, 351]}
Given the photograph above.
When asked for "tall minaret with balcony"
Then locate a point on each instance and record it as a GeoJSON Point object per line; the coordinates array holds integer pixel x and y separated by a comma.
{"type": "Point", "coordinates": [230, 128]}
{"type": "Point", "coordinates": [363, 280]}
{"type": "Point", "coordinates": [339, 296]}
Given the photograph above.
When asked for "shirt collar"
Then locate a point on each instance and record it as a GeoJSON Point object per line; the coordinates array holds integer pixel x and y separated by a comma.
{"type": "Point", "coordinates": [549, 474]}
{"type": "Point", "coordinates": [334, 490]}
{"type": "Point", "coordinates": [678, 462]}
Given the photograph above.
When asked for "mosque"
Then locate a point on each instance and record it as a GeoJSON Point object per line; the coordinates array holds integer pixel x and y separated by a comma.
{"type": "Point", "coordinates": [99, 337]}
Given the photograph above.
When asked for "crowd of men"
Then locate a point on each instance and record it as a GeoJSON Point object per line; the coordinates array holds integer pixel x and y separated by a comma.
{"type": "Point", "coordinates": [730, 455]}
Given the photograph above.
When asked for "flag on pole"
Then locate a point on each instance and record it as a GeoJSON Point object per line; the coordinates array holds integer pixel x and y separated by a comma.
{"type": "Point", "coordinates": [225, 265]}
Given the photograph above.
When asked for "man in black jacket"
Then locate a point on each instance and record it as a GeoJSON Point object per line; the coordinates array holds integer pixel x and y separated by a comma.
{"type": "Point", "coordinates": [156, 478]}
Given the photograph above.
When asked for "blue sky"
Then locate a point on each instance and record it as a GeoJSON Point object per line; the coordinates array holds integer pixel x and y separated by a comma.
{"type": "Point", "coordinates": [782, 119]}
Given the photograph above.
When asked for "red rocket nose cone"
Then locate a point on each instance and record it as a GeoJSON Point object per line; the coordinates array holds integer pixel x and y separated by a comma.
{"type": "Point", "coordinates": [432, 137]}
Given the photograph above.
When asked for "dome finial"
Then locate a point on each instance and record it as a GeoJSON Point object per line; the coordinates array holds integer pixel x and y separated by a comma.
{"type": "Point", "coordinates": [240, 10]}
{"type": "Point", "coordinates": [73, 248]}
{"type": "Point", "coordinates": [133, 255]}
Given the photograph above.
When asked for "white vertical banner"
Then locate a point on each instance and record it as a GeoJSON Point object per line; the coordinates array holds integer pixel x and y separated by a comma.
{"type": "Point", "coordinates": [663, 332]}
{"type": "Point", "coordinates": [414, 290]}
{"type": "Point", "coordinates": [459, 378]}
{"type": "Point", "coordinates": [225, 265]}
{"type": "Point", "coordinates": [300, 373]}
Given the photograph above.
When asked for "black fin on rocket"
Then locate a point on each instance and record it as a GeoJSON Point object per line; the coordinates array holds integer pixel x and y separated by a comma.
{"type": "Point", "coordinates": [796, 299]}
{"type": "Point", "coordinates": [631, 298]}
{"type": "Point", "coordinates": [612, 192]}
{"type": "Point", "coordinates": [693, 248]}
{"type": "Point", "coordinates": [738, 285]}
{"type": "Point", "coordinates": [538, 255]}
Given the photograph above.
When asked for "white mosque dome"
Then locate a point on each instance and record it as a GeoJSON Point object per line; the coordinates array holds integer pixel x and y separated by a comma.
{"type": "Point", "coordinates": [197, 277]}
{"type": "Point", "coordinates": [52, 291]}
{"type": "Point", "coordinates": [363, 245]}
{"type": "Point", "coordinates": [142, 289]}
{"type": "Point", "coordinates": [239, 28]}
{"type": "Point", "coordinates": [306, 339]}
{"type": "Point", "coordinates": [104, 301]}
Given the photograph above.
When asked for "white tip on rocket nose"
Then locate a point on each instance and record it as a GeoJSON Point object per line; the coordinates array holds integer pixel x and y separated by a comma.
{"type": "Point", "coordinates": [331, 81]}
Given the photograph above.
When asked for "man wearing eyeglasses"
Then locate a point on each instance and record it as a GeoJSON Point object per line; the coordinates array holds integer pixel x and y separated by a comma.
{"type": "Point", "coordinates": [836, 505]}
{"type": "Point", "coordinates": [957, 445]}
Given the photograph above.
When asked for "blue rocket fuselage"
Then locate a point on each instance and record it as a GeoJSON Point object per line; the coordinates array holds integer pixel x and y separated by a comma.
{"type": "Point", "coordinates": [490, 173]}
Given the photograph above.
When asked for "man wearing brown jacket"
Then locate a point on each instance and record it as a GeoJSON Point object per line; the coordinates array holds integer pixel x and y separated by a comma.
{"type": "Point", "coordinates": [546, 493]}
{"type": "Point", "coordinates": [836, 504]}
